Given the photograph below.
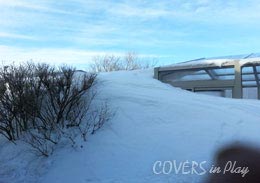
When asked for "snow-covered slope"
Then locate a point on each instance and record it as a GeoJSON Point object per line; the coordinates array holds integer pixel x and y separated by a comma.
{"type": "Point", "coordinates": [153, 121]}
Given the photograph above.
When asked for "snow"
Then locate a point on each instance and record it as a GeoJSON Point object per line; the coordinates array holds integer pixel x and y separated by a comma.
{"type": "Point", "coordinates": [153, 121]}
{"type": "Point", "coordinates": [219, 61]}
{"type": "Point", "coordinates": [204, 62]}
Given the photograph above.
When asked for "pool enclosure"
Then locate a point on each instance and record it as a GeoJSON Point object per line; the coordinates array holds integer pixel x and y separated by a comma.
{"type": "Point", "coordinates": [233, 77]}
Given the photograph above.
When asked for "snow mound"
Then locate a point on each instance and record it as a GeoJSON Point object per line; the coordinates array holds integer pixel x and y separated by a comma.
{"type": "Point", "coordinates": [153, 121]}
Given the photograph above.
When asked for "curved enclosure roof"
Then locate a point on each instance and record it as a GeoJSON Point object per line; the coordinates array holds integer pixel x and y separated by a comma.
{"type": "Point", "coordinates": [253, 58]}
{"type": "Point", "coordinates": [216, 73]}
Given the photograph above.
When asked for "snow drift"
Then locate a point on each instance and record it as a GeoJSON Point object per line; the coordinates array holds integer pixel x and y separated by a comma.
{"type": "Point", "coordinates": [154, 121]}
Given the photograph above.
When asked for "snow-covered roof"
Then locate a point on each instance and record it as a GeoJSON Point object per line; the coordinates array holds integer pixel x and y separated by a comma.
{"type": "Point", "coordinates": [253, 58]}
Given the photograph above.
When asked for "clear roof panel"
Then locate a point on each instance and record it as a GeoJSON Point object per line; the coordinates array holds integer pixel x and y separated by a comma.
{"type": "Point", "coordinates": [195, 77]}
{"type": "Point", "coordinates": [224, 71]}
{"type": "Point", "coordinates": [211, 74]}
{"type": "Point", "coordinates": [242, 56]}
{"type": "Point", "coordinates": [258, 69]}
{"type": "Point", "coordinates": [248, 77]}
{"type": "Point", "coordinates": [247, 70]}
{"type": "Point", "coordinates": [249, 83]}
{"type": "Point", "coordinates": [192, 75]}
{"type": "Point", "coordinates": [187, 75]}
{"type": "Point", "coordinates": [226, 77]}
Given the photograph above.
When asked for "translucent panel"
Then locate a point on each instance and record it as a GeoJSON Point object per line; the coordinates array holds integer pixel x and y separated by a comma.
{"type": "Point", "coordinates": [247, 70]}
{"type": "Point", "coordinates": [195, 77]}
{"type": "Point", "coordinates": [228, 93]}
{"type": "Point", "coordinates": [250, 93]}
{"type": "Point", "coordinates": [224, 71]}
{"type": "Point", "coordinates": [248, 77]}
{"type": "Point", "coordinates": [258, 69]}
{"type": "Point", "coordinates": [228, 77]}
{"type": "Point", "coordinates": [251, 55]}
{"type": "Point", "coordinates": [220, 93]}
{"type": "Point", "coordinates": [212, 93]}
{"type": "Point", "coordinates": [187, 75]}
{"type": "Point", "coordinates": [249, 83]}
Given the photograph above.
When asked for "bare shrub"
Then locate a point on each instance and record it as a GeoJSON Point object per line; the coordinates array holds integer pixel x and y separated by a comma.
{"type": "Point", "coordinates": [100, 116]}
{"type": "Point", "coordinates": [131, 61]}
{"type": "Point", "coordinates": [16, 102]}
{"type": "Point", "coordinates": [44, 104]}
{"type": "Point", "coordinates": [97, 116]}
{"type": "Point", "coordinates": [106, 63]}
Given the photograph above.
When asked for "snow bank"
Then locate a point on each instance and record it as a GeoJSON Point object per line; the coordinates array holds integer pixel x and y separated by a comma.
{"type": "Point", "coordinates": [153, 121]}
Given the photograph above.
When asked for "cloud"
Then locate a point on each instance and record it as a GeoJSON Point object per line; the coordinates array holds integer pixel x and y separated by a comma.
{"type": "Point", "coordinates": [127, 10]}
{"type": "Point", "coordinates": [56, 56]}
{"type": "Point", "coordinates": [16, 36]}
{"type": "Point", "coordinates": [203, 11]}
{"type": "Point", "coordinates": [197, 10]}
{"type": "Point", "coordinates": [219, 12]}
{"type": "Point", "coordinates": [44, 6]}
{"type": "Point", "coordinates": [49, 30]}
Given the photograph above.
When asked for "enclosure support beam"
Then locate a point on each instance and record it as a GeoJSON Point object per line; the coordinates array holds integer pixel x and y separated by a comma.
{"type": "Point", "coordinates": [237, 90]}
{"type": "Point", "coordinates": [212, 74]}
{"type": "Point", "coordinates": [156, 73]}
{"type": "Point", "coordinates": [257, 82]}
{"type": "Point", "coordinates": [207, 84]}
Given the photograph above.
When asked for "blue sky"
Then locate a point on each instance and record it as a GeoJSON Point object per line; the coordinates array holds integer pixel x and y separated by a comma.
{"type": "Point", "coordinates": [74, 31]}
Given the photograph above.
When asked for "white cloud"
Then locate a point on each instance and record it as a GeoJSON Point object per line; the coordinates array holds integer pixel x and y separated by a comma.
{"type": "Point", "coordinates": [54, 56]}
{"type": "Point", "coordinates": [58, 56]}
{"type": "Point", "coordinates": [203, 11]}
{"type": "Point", "coordinates": [16, 36]}
{"type": "Point", "coordinates": [150, 25]}
{"type": "Point", "coordinates": [33, 5]}
{"type": "Point", "coordinates": [197, 10]}
{"type": "Point", "coordinates": [127, 10]}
